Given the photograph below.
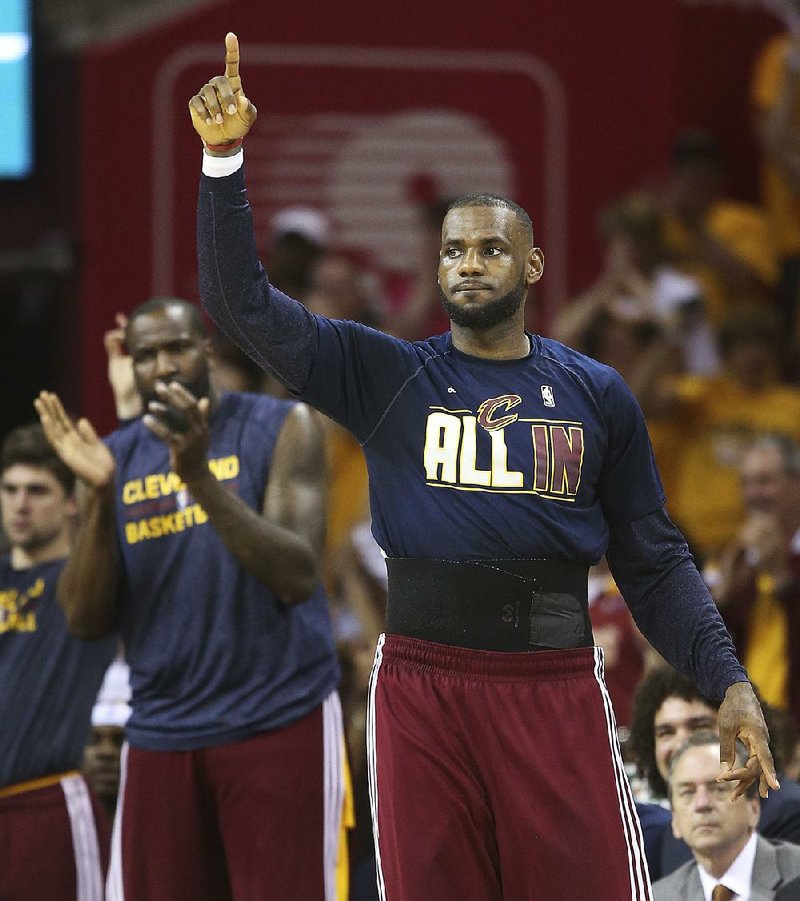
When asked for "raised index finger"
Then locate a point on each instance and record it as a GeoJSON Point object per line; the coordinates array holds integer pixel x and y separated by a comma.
{"type": "Point", "coordinates": [232, 60]}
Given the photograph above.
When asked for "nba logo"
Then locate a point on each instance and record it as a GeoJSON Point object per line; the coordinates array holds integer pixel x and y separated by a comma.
{"type": "Point", "coordinates": [547, 396]}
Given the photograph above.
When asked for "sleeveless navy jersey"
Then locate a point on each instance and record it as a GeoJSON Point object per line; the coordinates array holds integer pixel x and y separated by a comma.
{"type": "Point", "coordinates": [478, 459]}
{"type": "Point", "coordinates": [214, 656]}
{"type": "Point", "coordinates": [48, 679]}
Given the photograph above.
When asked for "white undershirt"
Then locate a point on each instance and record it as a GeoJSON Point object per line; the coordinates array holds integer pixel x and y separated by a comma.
{"type": "Point", "coordinates": [220, 166]}
{"type": "Point", "coordinates": [738, 876]}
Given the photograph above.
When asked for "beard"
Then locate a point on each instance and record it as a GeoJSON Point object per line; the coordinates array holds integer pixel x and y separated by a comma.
{"type": "Point", "coordinates": [488, 315]}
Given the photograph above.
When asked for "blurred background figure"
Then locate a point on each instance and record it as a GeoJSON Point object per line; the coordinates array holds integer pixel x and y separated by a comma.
{"type": "Point", "coordinates": [298, 235]}
{"type": "Point", "coordinates": [756, 579]}
{"type": "Point", "coordinates": [639, 295]}
{"type": "Point", "coordinates": [101, 763]}
{"type": "Point", "coordinates": [724, 243]}
{"type": "Point", "coordinates": [642, 316]}
{"type": "Point", "coordinates": [711, 419]}
{"type": "Point", "coordinates": [340, 288]}
{"type": "Point", "coordinates": [775, 98]}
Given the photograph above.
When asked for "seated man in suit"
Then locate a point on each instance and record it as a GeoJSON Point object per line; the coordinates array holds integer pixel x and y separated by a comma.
{"type": "Point", "coordinates": [731, 860]}
{"type": "Point", "coordinates": [667, 709]}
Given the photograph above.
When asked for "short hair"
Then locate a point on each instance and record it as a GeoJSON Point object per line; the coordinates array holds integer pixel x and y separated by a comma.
{"type": "Point", "coordinates": [659, 684]}
{"type": "Point", "coordinates": [704, 739]}
{"type": "Point", "coordinates": [493, 200]}
{"type": "Point", "coordinates": [160, 304]}
{"type": "Point", "coordinates": [27, 446]}
{"type": "Point", "coordinates": [785, 445]}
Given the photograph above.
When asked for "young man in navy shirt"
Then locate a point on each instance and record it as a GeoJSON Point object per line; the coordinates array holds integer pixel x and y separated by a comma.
{"type": "Point", "coordinates": [53, 831]}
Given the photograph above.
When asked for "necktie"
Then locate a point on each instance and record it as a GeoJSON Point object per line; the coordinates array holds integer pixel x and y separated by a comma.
{"type": "Point", "coordinates": [721, 893]}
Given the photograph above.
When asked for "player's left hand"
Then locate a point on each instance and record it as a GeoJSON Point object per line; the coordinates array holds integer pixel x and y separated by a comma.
{"type": "Point", "coordinates": [180, 420]}
{"type": "Point", "coordinates": [740, 717]}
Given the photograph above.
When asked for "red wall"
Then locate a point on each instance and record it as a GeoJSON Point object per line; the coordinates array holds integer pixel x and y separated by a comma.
{"type": "Point", "coordinates": [565, 105]}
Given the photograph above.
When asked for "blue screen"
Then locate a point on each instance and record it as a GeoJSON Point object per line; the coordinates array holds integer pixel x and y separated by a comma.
{"type": "Point", "coordinates": [16, 89]}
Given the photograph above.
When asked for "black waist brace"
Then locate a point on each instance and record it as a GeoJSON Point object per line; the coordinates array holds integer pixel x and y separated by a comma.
{"type": "Point", "coordinates": [492, 605]}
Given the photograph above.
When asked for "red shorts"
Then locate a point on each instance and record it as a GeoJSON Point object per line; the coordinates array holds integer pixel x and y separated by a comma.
{"type": "Point", "coordinates": [255, 820]}
{"type": "Point", "coordinates": [53, 842]}
{"type": "Point", "coordinates": [498, 775]}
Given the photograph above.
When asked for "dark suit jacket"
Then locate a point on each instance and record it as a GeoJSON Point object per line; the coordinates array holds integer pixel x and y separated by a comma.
{"type": "Point", "coordinates": [774, 864]}
{"type": "Point", "coordinates": [789, 892]}
{"type": "Point", "coordinates": [780, 819]}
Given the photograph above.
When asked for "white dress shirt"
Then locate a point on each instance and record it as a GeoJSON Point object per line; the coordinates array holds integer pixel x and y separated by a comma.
{"type": "Point", "coordinates": [738, 875]}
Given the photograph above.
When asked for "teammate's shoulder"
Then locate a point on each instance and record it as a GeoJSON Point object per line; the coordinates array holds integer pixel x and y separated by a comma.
{"type": "Point", "coordinates": [126, 432]}
{"type": "Point", "coordinates": [244, 403]}
{"type": "Point", "coordinates": [251, 410]}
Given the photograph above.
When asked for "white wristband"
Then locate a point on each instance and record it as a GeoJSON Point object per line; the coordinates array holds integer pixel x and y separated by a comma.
{"type": "Point", "coordinates": [220, 166]}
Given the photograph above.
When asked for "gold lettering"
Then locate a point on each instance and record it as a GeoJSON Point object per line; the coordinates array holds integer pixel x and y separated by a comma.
{"type": "Point", "coordinates": [470, 474]}
{"type": "Point", "coordinates": [132, 492]}
{"type": "Point", "coordinates": [442, 435]}
{"type": "Point", "coordinates": [225, 468]}
{"type": "Point", "coordinates": [502, 477]}
{"type": "Point", "coordinates": [151, 487]}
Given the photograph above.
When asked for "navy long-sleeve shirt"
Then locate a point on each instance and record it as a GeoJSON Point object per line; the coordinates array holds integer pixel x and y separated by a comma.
{"type": "Point", "coordinates": [474, 459]}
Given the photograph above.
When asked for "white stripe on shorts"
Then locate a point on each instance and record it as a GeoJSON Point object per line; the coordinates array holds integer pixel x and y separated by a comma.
{"type": "Point", "coordinates": [637, 864]}
{"type": "Point", "coordinates": [84, 839]}
{"type": "Point", "coordinates": [333, 788]}
{"type": "Point", "coordinates": [115, 890]}
{"type": "Point", "coordinates": [372, 762]}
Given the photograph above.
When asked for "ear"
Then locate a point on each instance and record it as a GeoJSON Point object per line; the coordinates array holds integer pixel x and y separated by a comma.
{"type": "Point", "coordinates": [534, 265]}
{"type": "Point", "coordinates": [676, 829]}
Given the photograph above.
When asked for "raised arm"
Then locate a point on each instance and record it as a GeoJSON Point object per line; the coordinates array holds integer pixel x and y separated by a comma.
{"type": "Point", "coordinates": [87, 588]}
{"type": "Point", "coordinates": [281, 544]}
{"type": "Point", "coordinates": [274, 330]}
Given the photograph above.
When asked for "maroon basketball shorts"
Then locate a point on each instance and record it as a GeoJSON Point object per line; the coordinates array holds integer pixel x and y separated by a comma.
{"type": "Point", "coordinates": [252, 820]}
{"type": "Point", "coordinates": [498, 775]}
{"type": "Point", "coordinates": [54, 839]}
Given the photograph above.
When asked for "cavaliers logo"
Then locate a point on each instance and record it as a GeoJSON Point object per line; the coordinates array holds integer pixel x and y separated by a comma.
{"type": "Point", "coordinates": [490, 409]}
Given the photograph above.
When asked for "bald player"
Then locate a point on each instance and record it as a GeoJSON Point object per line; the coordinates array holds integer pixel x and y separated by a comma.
{"type": "Point", "coordinates": [502, 465]}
